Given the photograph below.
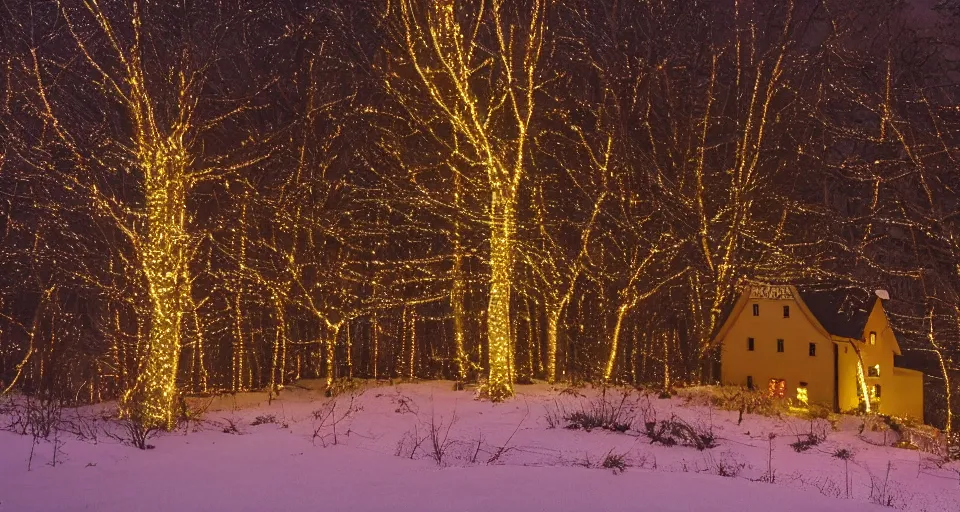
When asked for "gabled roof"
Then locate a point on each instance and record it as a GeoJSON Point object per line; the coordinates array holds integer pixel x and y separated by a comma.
{"type": "Point", "coordinates": [734, 309]}
{"type": "Point", "coordinates": [842, 313]}
{"type": "Point", "coordinates": [837, 312]}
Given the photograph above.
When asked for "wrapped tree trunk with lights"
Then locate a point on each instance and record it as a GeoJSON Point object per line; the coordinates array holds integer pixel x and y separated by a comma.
{"type": "Point", "coordinates": [165, 266]}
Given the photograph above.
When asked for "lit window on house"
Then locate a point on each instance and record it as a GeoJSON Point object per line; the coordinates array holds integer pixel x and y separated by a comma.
{"type": "Point", "coordinates": [786, 311]}
{"type": "Point", "coordinates": [873, 338]}
{"type": "Point", "coordinates": [756, 310]}
{"type": "Point", "coordinates": [802, 393]}
{"type": "Point", "coordinates": [750, 344]}
{"type": "Point", "coordinates": [813, 349]}
{"type": "Point", "coordinates": [873, 371]}
{"type": "Point", "coordinates": [779, 345]}
{"type": "Point", "coordinates": [777, 387]}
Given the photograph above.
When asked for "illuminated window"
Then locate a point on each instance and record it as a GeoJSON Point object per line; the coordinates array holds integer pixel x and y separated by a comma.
{"type": "Point", "coordinates": [873, 338]}
{"type": "Point", "coordinates": [777, 387]}
{"type": "Point", "coordinates": [786, 311]}
{"type": "Point", "coordinates": [802, 393]}
{"type": "Point", "coordinates": [756, 310]}
{"type": "Point", "coordinates": [750, 344]}
{"type": "Point", "coordinates": [779, 345]}
{"type": "Point", "coordinates": [873, 371]}
{"type": "Point", "coordinates": [749, 381]}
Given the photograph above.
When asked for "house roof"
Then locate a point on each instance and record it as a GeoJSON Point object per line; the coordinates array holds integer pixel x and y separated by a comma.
{"type": "Point", "coordinates": [842, 312]}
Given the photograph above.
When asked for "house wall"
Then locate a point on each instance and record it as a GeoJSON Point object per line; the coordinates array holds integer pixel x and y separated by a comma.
{"type": "Point", "coordinates": [794, 364]}
{"type": "Point", "coordinates": [882, 354]}
{"type": "Point", "coordinates": [907, 398]}
{"type": "Point", "coordinates": [847, 377]}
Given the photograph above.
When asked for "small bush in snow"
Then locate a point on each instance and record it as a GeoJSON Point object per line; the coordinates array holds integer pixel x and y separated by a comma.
{"type": "Point", "coordinates": [138, 434]}
{"type": "Point", "coordinates": [842, 454]}
{"type": "Point", "coordinates": [805, 442]}
{"type": "Point", "coordinates": [230, 427]}
{"type": "Point", "coordinates": [602, 413]}
{"type": "Point", "coordinates": [883, 492]}
{"type": "Point", "coordinates": [554, 415]}
{"type": "Point", "coordinates": [615, 461]}
{"type": "Point", "coordinates": [264, 419]}
{"type": "Point", "coordinates": [675, 431]}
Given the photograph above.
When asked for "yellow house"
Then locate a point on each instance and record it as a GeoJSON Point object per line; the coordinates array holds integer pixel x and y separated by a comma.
{"type": "Point", "coordinates": [817, 346]}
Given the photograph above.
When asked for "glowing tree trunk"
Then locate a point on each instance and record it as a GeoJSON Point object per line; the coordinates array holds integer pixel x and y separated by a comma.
{"type": "Point", "coordinates": [459, 286]}
{"type": "Point", "coordinates": [553, 328]}
{"type": "Point", "coordinates": [329, 354]}
{"type": "Point", "coordinates": [165, 267]}
{"type": "Point", "coordinates": [615, 342]}
{"type": "Point", "coordinates": [500, 380]}
{"type": "Point", "coordinates": [374, 344]}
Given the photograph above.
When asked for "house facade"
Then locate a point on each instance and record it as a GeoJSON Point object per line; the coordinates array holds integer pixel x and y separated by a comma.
{"type": "Point", "coordinates": [819, 347]}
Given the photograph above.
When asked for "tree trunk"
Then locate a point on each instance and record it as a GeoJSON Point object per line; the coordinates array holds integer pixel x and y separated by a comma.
{"type": "Point", "coordinates": [277, 342]}
{"type": "Point", "coordinates": [167, 274]}
{"type": "Point", "coordinates": [553, 327]}
{"type": "Point", "coordinates": [500, 341]}
{"type": "Point", "coordinates": [374, 343]}
{"type": "Point", "coordinates": [458, 290]}
{"type": "Point", "coordinates": [615, 342]}
{"type": "Point", "coordinates": [330, 355]}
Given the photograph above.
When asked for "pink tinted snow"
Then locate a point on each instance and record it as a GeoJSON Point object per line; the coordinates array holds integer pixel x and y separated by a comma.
{"type": "Point", "coordinates": [269, 467]}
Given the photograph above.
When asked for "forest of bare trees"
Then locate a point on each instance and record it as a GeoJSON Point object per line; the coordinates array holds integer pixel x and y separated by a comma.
{"type": "Point", "coordinates": [201, 197]}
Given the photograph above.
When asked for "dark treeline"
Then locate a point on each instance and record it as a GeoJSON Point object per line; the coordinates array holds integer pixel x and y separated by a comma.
{"type": "Point", "coordinates": [224, 196]}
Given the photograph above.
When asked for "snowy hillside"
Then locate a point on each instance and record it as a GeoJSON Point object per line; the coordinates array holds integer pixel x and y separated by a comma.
{"type": "Point", "coordinates": [376, 449]}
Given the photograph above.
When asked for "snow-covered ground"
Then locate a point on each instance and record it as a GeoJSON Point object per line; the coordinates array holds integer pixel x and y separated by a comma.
{"type": "Point", "coordinates": [379, 455]}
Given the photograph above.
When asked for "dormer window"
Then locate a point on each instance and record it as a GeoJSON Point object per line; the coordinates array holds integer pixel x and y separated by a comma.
{"type": "Point", "coordinates": [786, 311]}
{"type": "Point", "coordinates": [756, 310]}
{"type": "Point", "coordinates": [873, 338]}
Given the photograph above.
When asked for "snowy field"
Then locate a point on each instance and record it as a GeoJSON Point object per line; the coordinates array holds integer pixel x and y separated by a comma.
{"type": "Point", "coordinates": [373, 449]}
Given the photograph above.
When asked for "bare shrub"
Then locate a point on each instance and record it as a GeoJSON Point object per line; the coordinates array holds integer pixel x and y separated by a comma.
{"type": "Point", "coordinates": [39, 417]}
{"type": "Point", "coordinates": [554, 415]}
{"type": "Point", "coordinates": [264, 420]}
{"type": "Point", "coordinates": [230, 427]}
{"type": "Point", "coordinates": [133, 433]}
{"type": "Point", "coordinates": [816, 435]}
{"type": "Point", "coordinates": [615, 461]}
{"type": "Point", "coordinates": [405, 405]}
{"type": "Point", "coordinates": [439, 437]}
{"type": "Point", "coordinates": [138, 434]}
{"type": "Point", "coordinates": [603, 413]}
{"type": "Point", "coordinates": [884, 492]}
{"type": "Point", "coordinates": [411, 441]}
{"type": "Point", "coordinates": [846, 456]}
{"type": "Point", "coordinates": [726, 466]}
{"type": "Point", "coordinates": [505, 447]}
{"type": "Point", "coordinates": [676, 431]}
{"type": "Point", "coordinates": [327, 420]}
{"type": "Point", "coordinates": [191, 414]}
